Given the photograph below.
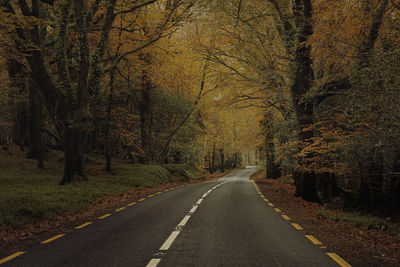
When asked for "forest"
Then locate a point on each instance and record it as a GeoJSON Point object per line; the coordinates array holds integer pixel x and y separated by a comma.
{"type": "Point", "coordinates": [307, 88]}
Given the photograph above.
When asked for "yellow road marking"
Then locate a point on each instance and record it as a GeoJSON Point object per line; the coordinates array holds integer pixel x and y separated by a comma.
{"type": "Point", "coordinates": [120, 209]}
{"type": "Point", "coordinates": [158, 193]}
{"type": "Point", "coordinates": [83, 225]}
{"type": "Point", "coordinates": [11, 257]}
{"type": "Point", "coordinates": [271, 205]}
{"type": "Point", "coordinates": [104, 216]}
{"type": "Point", "coordinates": [287, 218]}
{"type": "Point", "coordinates": [265, 199]}
{"type": "Point", "coordinates": [298, 227]}
{"type": "Point", "coordinates": [314, 240]}
{"type": "Point", "coordinates": [52, 239]}
{"type": "Point", "coordinates": [131, 204]}
{"type": "Point", "coordinates": [338, 259]}
{"type": "Point", "coordinates": [141, 199]}
{"type": "Point", "coordinates": [166, 190]}
{"type": "Point", "coordinates": [150, 196]}
{"type": "Point", "coordinates": [277, 210]}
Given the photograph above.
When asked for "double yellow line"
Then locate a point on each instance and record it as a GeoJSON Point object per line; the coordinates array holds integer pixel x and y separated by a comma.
{"type": "Point", "coordinates": [313, 240]}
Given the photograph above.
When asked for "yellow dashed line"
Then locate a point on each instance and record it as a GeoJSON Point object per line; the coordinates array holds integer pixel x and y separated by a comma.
{"type": "Point", "coordinates": [338, 260]}
{"type": "Point", "coordinates": [104, 216]}
{"type": "Point", "coordinates": [166, 190]}
{"type": "Point", "coordinates": [52, 239]}
{"type": "Point", "coordinates": [271, 205]}
{"type": "Point", "coordinates": [266, 200]}
{"type": "Point", "coordinates": [314, 240]}
{"type": "Point", "coordinates": [150, 196]}
{"type": "Point", "coordinates": [298, 227]}
{"type": "Point", "coordinates": [158, 193]}
{"type": "Point", "coordinates": [277, 210]}
{"type": "Point", "coordinates": [131, 204]}
{"type": "Point", "coordinates": [11, 257]}
{"type": "Point", "coordinates": [287, 218]}
{"type": "Point", "coordinates": [120, 209]}
{"type": "Point", "coordinates": [141, 199]}
{"type": "Point", "coordinates": [83, 225]}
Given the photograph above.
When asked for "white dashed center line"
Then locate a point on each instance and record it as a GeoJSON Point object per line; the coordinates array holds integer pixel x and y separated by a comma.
{"type": "Point", "coordinates": [193, 209]}
{"type": "Point", "coordinates": [170, 240]}
{"type": "Point", "coordinates": [153, 263]}
{"type": "Point", "coordinates": [184, 221]}
{"type": "Point", "coordinates": [167, 244]}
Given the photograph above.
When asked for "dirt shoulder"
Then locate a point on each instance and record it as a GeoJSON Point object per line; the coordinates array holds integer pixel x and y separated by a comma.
{"type": "Point", "coordinates": [358, 246]}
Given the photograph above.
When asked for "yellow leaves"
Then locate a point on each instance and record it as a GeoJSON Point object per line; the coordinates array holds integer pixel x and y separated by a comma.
{"type": "Point", "coordinates": [321, 153]}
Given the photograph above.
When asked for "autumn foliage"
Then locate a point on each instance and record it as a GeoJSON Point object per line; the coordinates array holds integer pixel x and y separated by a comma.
{"type": "Point", "coordinates": [310, 88]}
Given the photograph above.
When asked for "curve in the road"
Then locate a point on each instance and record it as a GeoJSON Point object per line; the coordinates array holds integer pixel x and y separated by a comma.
{"type": "Point", "coordinates": [228, 222]}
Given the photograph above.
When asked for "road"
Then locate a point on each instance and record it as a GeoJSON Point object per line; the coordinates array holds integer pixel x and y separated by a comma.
{"type": "Point", "coordinates": [215, 223]}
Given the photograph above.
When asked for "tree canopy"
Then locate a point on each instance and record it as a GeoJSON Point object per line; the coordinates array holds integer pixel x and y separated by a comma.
{"type": "Point", "coordinates": [308, 88]}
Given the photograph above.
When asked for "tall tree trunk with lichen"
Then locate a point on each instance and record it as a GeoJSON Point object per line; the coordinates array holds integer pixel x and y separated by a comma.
{"type": "Point", "coordinates": [107, 148]}
{"type": "Point", "coordinates": [146, 123]}
{"type": "Point", "coordinates": [271, 169]}
{"type": "Point", "coordinates": [222, 157]}
{"type": "Point", "coordinates": [16, 75]}
{"type": "Point", "coordinates": [35, 123]}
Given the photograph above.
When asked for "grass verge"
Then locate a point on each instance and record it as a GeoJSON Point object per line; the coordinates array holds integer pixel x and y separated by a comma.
{"type": "Point", "coordinates": [28, 194]}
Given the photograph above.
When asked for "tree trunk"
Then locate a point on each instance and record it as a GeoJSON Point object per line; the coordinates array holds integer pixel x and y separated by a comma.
{"type": "Point", "coordinates": [210, 169]}
{"type": "Point", "coordinates": [16, 75]}
{"type": "Point", "coordinates": [272, 170]}
{"type": "Point", "coordinates": [107, 150]}
{"type": "Point", "coordinates": [146, 120]}
{"type": "Point", "coordinates": [304, 76]}
{"type": "Point", "coordinates": [36, 149]}
{"type": "Point", "coordinates": [74, 155]}
{"type": "Point", "coordinates": [221, 151]}
{"type": "Point", "coordinates": [370, 190]}
{"type": "Point", "coordinates": [213, 160]}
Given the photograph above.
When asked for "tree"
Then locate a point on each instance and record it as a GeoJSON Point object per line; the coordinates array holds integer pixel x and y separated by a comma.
{"type": "Point", "coordinates": [69, 92]}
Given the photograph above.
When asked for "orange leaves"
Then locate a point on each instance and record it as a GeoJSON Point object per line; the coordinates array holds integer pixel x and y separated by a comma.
{"type": "Point", "coordinates": [321, 153]}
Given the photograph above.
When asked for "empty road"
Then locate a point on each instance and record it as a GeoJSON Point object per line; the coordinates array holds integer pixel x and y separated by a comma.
{"type": "Point", "coordinates": [217, 223]}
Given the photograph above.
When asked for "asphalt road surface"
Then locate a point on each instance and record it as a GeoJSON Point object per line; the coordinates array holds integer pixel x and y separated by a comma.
{"type": "Point", "coordinates": [216, 223]}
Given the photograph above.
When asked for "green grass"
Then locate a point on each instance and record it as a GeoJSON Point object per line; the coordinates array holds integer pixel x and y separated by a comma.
{"type": "Point", "coordinates": [28, 194]}
{"type": "Point", "coordinates": [363, 221]}
{"type": "Point", "coordinates": [185, 172]}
